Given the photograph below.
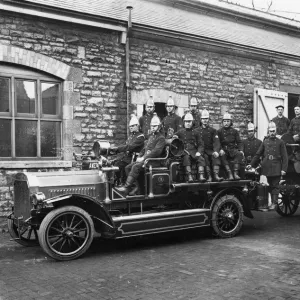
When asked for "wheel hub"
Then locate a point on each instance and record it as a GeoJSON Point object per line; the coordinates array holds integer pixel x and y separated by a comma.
{"type": "Point", "coordinates": [228, 214]}
{"type": "Point", "coordinates": [69, 233]}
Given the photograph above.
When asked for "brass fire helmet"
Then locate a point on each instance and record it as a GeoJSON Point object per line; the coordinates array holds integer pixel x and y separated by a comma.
{"type": "Point", "coordinates": [101, 148]}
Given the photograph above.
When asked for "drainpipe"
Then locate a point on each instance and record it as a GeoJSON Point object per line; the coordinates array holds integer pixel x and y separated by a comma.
{"type": "Point", "coordinates": [127, 55]}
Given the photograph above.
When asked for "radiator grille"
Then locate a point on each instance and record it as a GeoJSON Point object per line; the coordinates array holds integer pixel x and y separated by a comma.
{"type": "Point", "coordinates": [22, 203]}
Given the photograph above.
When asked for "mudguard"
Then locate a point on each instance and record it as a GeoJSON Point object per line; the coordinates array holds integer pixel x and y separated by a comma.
{"type": "Point", "coordinates": [102, 220]}
{"type": "Point", "coordinates": [244, 200]}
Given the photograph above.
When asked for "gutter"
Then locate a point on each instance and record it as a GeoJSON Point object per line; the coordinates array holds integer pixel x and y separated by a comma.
{"type": "Point", "coordinates": [56, 16]}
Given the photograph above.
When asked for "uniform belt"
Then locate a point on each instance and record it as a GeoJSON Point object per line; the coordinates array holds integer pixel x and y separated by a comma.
{"type": "Point", "coordinates": [249, 157]}
{"type": "Point", "coordinates": [271, 157]}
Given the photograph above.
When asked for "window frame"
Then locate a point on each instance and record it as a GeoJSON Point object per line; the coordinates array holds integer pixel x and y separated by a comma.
{"type": "Point", "coordinates": [14, 73]}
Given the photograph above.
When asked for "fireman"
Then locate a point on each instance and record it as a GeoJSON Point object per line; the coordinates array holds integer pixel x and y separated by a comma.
{"type": "Point", "coordinates": [212, 147]}
{"type": "Point", "coordinates": [231, 147]}
{"type": "Point", "coordinates": [282, 123]}
{"type": "Point", "coordinates": [251, 144]}
{"type": "Point", "coordinates": [146, 119]}
{"type": "Point", "coordinates": [193, 109]}
{"type": "Point", "coordinates": [172, 122]}
{"type": "Point", "coordinates": [274, 163]}
{"type": "Point", "coordinates": [132, 147]}
{"type": "Point", "coordinates": [153, 149]}
{"type": "Point", "coordinates": [194, 148]}
{"type": "Point", "coordinates": [294, 128]}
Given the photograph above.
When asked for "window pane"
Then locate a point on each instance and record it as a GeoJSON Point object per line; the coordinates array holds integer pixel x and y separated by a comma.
{"type": "Point", "coordinates": [50, 97]}
{"type": "Point", "coordinates": [5, 138]}
{"type": "Point", "coordinates": [25, 95]}
{"type": "Point", "coordinates": [4, 94]}
{"type": "Point", "coordinates": [26, 140]}
{"type": "Point", "coordinates": [50, 139]}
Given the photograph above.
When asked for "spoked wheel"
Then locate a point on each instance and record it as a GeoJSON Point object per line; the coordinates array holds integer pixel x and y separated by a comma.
{"type": "Point", "coordinates": [66, 233]}
{"type": "Point", "coordinates": [287, 205]}
{"type": "Point", "coordinates": [227, 216]}
{"type": "Point", "coordinates": [26, 235]}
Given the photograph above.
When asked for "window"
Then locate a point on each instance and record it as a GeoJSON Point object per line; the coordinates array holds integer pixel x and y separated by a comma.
{"type": "Point", "coordinates": [30, 115]}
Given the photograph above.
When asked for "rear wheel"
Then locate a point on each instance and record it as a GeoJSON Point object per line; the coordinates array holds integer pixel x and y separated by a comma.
{"type": "Point", "coordinates": [287, 205]}
{"type": "Point", "coordinates": [24, 235]}
{"type": "Point", "coordinates": [227, 216]}
{"type": "Point", "coordinates": [66, 233]}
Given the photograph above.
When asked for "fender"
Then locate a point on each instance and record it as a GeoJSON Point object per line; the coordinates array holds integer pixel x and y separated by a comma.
{"type": "Point", "coordinates": [102, 220]}
{"type": "Point", "coordinates": [244, 202]}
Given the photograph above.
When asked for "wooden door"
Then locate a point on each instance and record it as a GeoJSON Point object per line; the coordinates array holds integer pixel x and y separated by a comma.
{"type": "Point", "coordinates": [264, 110]}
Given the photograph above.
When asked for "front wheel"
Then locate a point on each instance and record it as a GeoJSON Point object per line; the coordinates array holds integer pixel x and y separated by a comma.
{"type": "Point", "coordinates": [23, 234]}
{"type": "Point", "coordinates": [66, 233]}
{"type": "Point", "coordinates": [227, 216]}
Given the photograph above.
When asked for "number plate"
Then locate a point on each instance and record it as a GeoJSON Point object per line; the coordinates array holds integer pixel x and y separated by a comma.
{"type": "Point", "coordinates": [94, 165]}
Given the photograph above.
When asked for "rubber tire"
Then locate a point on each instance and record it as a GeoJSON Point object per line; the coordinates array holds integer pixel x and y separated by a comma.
{"type": "Point", "coordinates": [289, 212]}
{"type": "Point", "coordinates": [46, 225]}
{"type": "Point", "coordinates": [13, 231]}
{"type": "Point", "coordinates": [237, 209]}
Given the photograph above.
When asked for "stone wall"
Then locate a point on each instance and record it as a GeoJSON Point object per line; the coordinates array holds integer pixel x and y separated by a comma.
{"type": "Point", "coordinates": [219, 82]}
{"type": "Point", "coordinates": [99, 97]}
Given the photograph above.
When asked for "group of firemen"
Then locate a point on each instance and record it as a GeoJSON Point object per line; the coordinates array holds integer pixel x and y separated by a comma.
{"type": "Point", "coordinates": [204, 146]}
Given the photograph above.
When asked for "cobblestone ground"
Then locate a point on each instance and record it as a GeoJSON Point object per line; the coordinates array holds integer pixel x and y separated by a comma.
{"type": "Point", "coordinates": [262, 262]}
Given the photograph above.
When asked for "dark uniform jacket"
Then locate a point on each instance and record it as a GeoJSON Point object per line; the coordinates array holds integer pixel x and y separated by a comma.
{"type": "Point", "coordinates": [282, 124]}
{"type": "Point", "coordinates": [192, 140]}
{"type": "Point", "coordinates": [154, 146]}
{"type": "Point", "coordinates": [172, 121]}
{"type": "Point", "coordinates": [294, 126]}
{"type": "Point", "coordinates": [197, 118]}
{"type": "Point", "coordinates": [145, 124]}
{"type": "Point", "coordinates": [134, 143]}
{"type": "Point", "coordinates": [210, 138]}
{"type": "Point", "coordinates": [230, 139]}
{"type": "Point", "coordinates": [250, 147]}
{"type": "Point", "coordinates": [274, 155]}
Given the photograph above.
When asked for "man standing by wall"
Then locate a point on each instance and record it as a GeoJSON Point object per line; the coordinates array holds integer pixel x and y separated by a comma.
{"type": "Point", "coordinates": [294, 128]}
{"type": "Point", "coordinates": [282, 123]}
{"type": "Point", "coordinates": [251, 144]}
{"type": "Point", "coordinates": [146, 119]}
{"type": "Point", "coordinates": [172, 122]}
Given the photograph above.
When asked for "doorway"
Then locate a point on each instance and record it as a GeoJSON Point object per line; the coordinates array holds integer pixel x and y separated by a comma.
{"type": "Point", "coordinates": [292, 102]}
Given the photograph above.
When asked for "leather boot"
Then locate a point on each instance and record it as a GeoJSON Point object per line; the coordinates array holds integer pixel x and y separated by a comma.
{"type": "Point", "coordinates": [188, 171]}
{"type": "Point", "coordinates": [128, 185]}
{"type": "Point", "coordinates": [274, 203]}
{"type": "Point", "coordinates": [201, 174]}
{"type": "Point", "coordinates": [216, 174]}
{"type": "Point", "coordinates": [230, 177]}
{"type": "Point", "coordinates": [135, 190]}
{"type": "Point", "coordinates": [236, 168]}
{"type": "Point", "coordinates": [208, 173]}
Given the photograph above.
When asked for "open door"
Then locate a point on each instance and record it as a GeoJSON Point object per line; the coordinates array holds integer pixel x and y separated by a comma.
{"type": "Point", "coordinates": [264, 110]}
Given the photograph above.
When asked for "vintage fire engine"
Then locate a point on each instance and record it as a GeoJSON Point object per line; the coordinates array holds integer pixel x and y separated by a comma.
{"type": "Point", "coordinates": [61, 211]}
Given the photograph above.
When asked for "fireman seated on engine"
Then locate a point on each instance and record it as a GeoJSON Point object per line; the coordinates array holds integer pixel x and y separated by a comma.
{"type": "Point", "coordinates": [134, 144]}
{"type": "Point", "coordinates": [193, 148]}
{"type": "Point", "coordinates": [153, 149]}
{"type": "Point", "coordinates": [231, 147]}
{"type": "Point", "coordinates": [212, 147]}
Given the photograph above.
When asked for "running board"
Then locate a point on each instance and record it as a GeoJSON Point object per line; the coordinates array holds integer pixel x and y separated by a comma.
{"type": "Point", "coordinates": [149, 223]}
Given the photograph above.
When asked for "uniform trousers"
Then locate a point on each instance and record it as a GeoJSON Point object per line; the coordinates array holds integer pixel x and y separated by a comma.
{"type": "Point", "coordinates": [233, 155]}
{"type": "Point", "coordinates": [211, 161]}
{"type": "Point", "coordinates": [188, 159]}
{"type": "Point", "coordinates": [273, 182]}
